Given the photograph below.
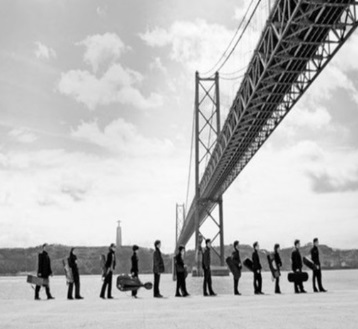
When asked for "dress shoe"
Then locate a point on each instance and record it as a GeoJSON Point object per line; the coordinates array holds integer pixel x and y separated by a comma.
{"type": "Point", "coordinates": [79, 297]}
{"type": "Point", "coordinates": [50, 297]}
{"type": "Point", "coordinates": [178, 295]}
{"type": "Point", "coordinates": [37, 298]}
{"type": "Point", "coordinates": [70, 298]}
{"type": "Point", "coordinates": [213, 294]}
{"type": "Point", "coordinates": [110, 297]}
{"type": "Point", "coordinates": [304, 291]}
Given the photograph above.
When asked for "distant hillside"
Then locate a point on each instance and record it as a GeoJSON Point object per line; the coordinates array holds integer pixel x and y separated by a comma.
{"type": "Point", "coordinates": [330, 258]}
{"type": "Point", "coordinates": [20, 260]}
{"type": "Point", "coordinates": [23, 260]}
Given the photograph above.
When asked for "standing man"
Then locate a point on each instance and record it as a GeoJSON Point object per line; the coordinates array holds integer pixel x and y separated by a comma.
{"type": "Point", "coordinates": [297, 267]}
{"type": "Point", "coordinates": [237, 262]}
{"type": "Point", "coordinates": [256, 266]}
{"type": "Point", "coordinates": [134, 269]}
{"type": "Point", "coordinates": [278, 263]}
{"type": "Point", "coordinates": [44, 271]}
{"type": "Point", "coordinates": [317, 274]}
{"type": "Point", "coordinates": [72, 263]}
{"type": "Point", "coordinates": [180, 272]}
{"type": "Point", "coordinates": [207, 271]}
{"type": "Point", "coordinates": [110, 265]}
{"type": "Point", "coordinates": [158, 268]}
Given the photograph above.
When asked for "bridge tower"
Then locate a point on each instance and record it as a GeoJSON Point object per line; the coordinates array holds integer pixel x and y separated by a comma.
{"type": "Point", "coordinates": [179, 223]}
{"type": "Point", "coordinates": [180, 218]}
{"type": "Point", "coordinates": [207, 130]}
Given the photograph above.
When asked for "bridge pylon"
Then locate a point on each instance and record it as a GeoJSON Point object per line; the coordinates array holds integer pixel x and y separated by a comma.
{"type": "Point", "coordinates": [207, 130]}
{"type": "Point", "coordinates": [179, 221]}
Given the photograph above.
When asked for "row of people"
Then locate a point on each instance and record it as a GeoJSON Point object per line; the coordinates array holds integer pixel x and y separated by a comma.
{"type": "Point", "coordinates": [296, 265]}
{"type": "Point", "coordinates": [45, 271]}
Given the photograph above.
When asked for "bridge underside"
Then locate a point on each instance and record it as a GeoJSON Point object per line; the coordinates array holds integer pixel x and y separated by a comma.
{"type": "Point", "coordinates": [299, 39]}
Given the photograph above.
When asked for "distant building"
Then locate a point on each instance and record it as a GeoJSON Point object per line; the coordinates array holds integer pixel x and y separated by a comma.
{"type": "Point", "coordinates": [119, 235]}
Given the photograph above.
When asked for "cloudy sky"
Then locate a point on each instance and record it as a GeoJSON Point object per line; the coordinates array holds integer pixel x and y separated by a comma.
{"type": "Point", "coordinates": [96, 101]}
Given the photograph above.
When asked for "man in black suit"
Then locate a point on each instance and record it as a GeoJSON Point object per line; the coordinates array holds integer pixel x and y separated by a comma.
{"type": "Point", "coordinates": [207, 271]}
{"type": "Point", "coordinates": [317, 274]}
{"type": "Point", "coordinates": [297, 267]}
{"type": "Point", "coordinates": [110, 265]}
{"type": "Point", "coordinates": [72, 263]}
{"type": "Point", "coordinates": [134, 268]}
{"type": "Point", "coordinates": [158, 268]}
{"type": "Point", "coordinates": [256, 266]}
{"type": "Point", "coordinates": [237, 262]}
{"type": "Point", "coordinates": [180, 272]}
{"type": "Point", "coordinates": [44, 271]}
{"type": "Point", "coordinates": [278, 263]}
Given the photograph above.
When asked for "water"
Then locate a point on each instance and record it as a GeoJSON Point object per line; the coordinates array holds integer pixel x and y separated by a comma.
{"type": "Point", "coordinates": [14, 288]}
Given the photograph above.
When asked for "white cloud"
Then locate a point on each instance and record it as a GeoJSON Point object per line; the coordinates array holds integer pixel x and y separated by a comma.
{"type": "Point", "coordinates": [22, 136]}
{"type": "Point", "coordinates": [258, 20]}
{"type": "Point", "coordinates": [102, 11]}
{"type": "Point", "coordinates": [307, 119]}
{"type": "Point", "coordinates": [116, 85]}
{"type": "Point", "coordinates": [62, 189]}
{"type": "Point", "coordinates": [102, 49]}
{"type": "Point", "coordinates": [44, 52]}
{"type": "Point", "coordinates": [158, 65]}
{"type": "Point", "coordinates": [346, 59]}
{"type": "Point", "coordinates": [331, 79]}
{"type": "Point", "coordinates": [195, 44]}
{"type": "Point", "coordinates": [199, 46]}
{"type": "Point", "coordinates": [123, 138]}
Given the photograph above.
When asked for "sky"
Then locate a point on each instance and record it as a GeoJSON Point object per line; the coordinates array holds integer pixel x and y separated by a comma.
{"type": "Point", "coordinates": [96, 107]}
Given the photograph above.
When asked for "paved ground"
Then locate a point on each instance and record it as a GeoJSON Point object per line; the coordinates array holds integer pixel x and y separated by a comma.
{"type": "Point", "coordinates": [335, 309]}
{"type": "Point", "coordinates": [331, 310]}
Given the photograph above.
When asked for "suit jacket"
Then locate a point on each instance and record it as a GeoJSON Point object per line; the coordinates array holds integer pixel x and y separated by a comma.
{"type": "Point", "coordinates": [206, 259]}
{"type": "Point", "coordinates": [158, 263]}
{"type": "Point", "coordinates": [44, 265]}
{"type": "Point", "coordinates": [296, 260]}
{"type": "Point", "coordinates": [256, 265]}
{"type": "Point", "coordinates": [111, 261]}
{"type": "Point", "coordinates": [179, 263]}
{"type": "Point", "coordinates": [236, 258]}
{"type": "Point", "coordinates": [72, 262]}
{"type": "Point", "coordinates": [315, 256]}
{"type": "Point", "coordinates": [134, 260]}
{"type": "Point", "coordinates": [277, 259]}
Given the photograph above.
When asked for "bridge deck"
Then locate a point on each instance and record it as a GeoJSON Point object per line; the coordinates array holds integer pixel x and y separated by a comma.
{"type": "Point", "coordinates": [299, 39]}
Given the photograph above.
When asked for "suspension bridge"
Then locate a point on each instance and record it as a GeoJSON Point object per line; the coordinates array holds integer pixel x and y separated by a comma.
{"type": "Point", "coordinates": [298, 40]}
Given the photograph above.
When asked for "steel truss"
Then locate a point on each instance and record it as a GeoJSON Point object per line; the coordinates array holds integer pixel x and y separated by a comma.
{"type": "Point", "coordinates": [299, 39]}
